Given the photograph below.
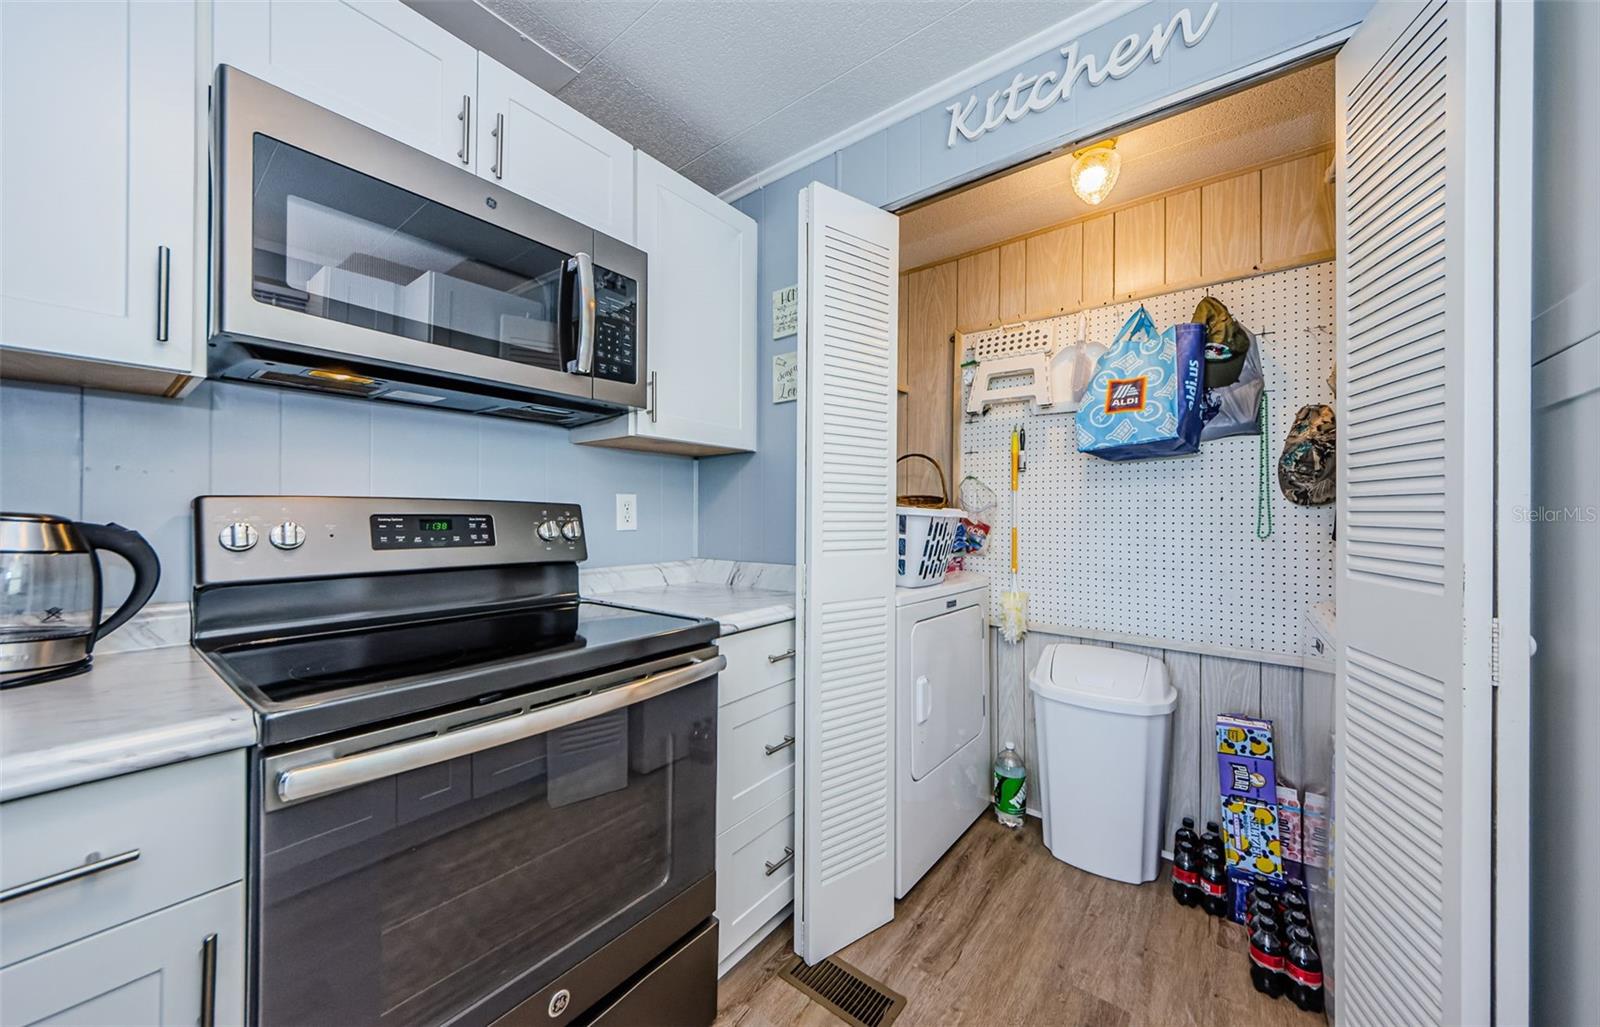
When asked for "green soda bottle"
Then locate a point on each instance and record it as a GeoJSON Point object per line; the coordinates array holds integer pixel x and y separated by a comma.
{"type": "Point", "coordinates": [1010, 787]}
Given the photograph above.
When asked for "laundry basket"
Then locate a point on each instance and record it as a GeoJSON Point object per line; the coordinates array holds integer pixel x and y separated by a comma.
{"type": "Point", "coordinates": [922, 550]}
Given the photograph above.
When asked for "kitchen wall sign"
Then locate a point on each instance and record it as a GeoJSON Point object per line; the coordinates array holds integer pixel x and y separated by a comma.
{"type": "Point", "coordinates": [1033, 94]}
{"type": "Point", "coordinates": [785, 377]}
{"type": "Point", "coordinates": [785, 311]}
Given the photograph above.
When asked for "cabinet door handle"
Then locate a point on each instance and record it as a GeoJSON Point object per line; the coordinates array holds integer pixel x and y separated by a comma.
{"type": "Point", "coordinates": [465, 117]}
{"type": "Point", "coordinates": [208, 981]}
{"type": "Point", "coordinates": [788, 855]}
{"type": "Point", "coordinates": [91, 866]}
{"type": "Point", "coordinates": [499, 133]}
{"type": "Point", "coordinates": [788, 740]}
{"type": "Point", "coordinates": [163, 293]}
{"type": "Point", "coordinates": [654, 392]}
{"type": "Point", "coordinates": [787, 654]}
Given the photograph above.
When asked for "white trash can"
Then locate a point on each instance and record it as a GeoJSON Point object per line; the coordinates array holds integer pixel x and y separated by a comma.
{"type": "Point", "coordinates": [1104, 718]}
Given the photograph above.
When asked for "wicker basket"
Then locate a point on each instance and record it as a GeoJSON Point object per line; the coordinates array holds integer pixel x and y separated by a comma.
{"type": "Point", "coordinates": [926, 502]}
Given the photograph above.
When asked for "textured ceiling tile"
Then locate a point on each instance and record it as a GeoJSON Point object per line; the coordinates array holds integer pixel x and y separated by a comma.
{"type": "Point", "coordinates": [574, 30]}
{"type": "Point", "coordinates": [605, 94]}
{"type": "Point", "coordinates": [1251, 127]}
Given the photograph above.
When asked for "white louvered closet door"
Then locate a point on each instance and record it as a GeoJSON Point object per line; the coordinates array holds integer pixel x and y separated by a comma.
{"type": "Point", "coordinates": [1416, 375]}
{"type": "Point", "coordinates": [849, 268]}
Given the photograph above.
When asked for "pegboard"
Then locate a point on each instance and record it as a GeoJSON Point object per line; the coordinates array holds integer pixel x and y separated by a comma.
{"type": "Point", "coordinates": [1167, 548]}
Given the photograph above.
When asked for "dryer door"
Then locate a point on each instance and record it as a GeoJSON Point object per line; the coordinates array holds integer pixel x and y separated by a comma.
{"type": "Point", "coordinates": [947, 687]}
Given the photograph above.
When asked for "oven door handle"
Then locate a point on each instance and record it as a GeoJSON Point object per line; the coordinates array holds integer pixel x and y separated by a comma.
{"type": "Point", "coordinates": [318, 779]}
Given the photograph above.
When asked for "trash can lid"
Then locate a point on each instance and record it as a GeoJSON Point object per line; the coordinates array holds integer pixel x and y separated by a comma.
{"type": "Point", "coordinates": [1101, 678]}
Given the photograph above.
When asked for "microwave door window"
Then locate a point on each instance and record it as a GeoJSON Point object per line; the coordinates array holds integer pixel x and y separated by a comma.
{"type": "Point", "coordinates": [337, 244]}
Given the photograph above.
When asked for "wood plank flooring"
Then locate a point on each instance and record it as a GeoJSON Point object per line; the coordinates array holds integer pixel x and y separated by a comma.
{"type": "Point", "coordinates": [1001, 932]}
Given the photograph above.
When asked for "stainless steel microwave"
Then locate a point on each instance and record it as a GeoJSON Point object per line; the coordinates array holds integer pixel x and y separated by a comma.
{"type": "Point", "coordinates": [346, 262]}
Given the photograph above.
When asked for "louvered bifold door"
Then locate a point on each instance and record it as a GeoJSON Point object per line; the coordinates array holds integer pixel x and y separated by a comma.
{"type": "Point", "coordinates": [849, 265]}
{"type": "Point", "coordinates": [1416, 163]}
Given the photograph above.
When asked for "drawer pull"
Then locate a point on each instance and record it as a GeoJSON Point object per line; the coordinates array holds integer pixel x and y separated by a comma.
{"type": "Point", "coordinates": [788, 856]}
{"type": "Point", "coordinates": [780, 657]}
{"type": "Point", "coordinates": [93, 865]}
{"type": "Point", "coordinates": [788, 740]}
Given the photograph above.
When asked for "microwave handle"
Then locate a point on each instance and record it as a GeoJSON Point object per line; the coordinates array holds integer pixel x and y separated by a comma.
{"type": "Point", "coordinates": [328, 776]}
{"type": "Point", "coordinates": [584, 265]}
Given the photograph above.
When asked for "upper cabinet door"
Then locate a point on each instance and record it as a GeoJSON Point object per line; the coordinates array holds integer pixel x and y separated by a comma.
{"type": "Point", "coordinates": [534, 144]}
{"type": "Point", "coordinates": [97, 181]}
{"type": "Point", "coordinates": [379, 63]}
{"type": "Point", "coordinates": [700, 315]}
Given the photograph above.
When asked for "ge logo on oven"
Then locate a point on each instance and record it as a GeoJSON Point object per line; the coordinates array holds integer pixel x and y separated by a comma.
{"type": "Point", "coordinates": [559, 1002]}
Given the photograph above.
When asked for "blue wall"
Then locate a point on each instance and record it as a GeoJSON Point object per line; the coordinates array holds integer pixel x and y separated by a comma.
{"type": "Point", "coordinates": [139, 460]}
{"type": "Point", "coordinates": [747, 502]}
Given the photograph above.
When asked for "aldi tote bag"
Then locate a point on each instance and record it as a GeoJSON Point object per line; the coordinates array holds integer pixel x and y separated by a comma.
{"type": "Point", "coordinates": [1144, 399]}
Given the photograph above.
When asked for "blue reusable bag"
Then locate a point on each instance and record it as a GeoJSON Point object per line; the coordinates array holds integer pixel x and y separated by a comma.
{"type": "Point", "coordinates": [1145, 397]}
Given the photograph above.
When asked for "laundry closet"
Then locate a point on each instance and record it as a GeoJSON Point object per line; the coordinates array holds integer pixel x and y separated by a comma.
{"type": "Point", "coordinates": [1290, 570]}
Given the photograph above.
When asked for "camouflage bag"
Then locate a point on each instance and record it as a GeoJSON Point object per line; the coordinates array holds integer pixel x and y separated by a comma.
{"type": "Point", "coordinates": [1306, 468]}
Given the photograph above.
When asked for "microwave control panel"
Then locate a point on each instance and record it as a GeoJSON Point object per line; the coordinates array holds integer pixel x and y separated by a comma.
{"type": "Point", "coordinates": [616, 336]}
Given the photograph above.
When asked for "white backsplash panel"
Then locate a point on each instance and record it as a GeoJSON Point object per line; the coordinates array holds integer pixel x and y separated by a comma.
{"type": "Point", "coordinates": [1167, 549]}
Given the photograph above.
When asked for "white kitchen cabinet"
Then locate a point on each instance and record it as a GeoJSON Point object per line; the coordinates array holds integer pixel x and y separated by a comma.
{"type": "Point", "coordinates": [537, 146]}
{"type": "Point", "coordinates": [755, 787]}
{"type": "Point", "coordinates": [700, 322]}
{"type": "Point", "coordinates": [122, 900]}
{"type": "Point", "coordinates": [183, 965]}
{"type": "Point", "coordinates": [377, 62]}
{"type": "Point", "coordinates": [100, 103]}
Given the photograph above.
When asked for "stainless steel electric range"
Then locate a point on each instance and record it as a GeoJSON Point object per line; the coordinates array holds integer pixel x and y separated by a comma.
{"type": "Point", "coordinates": [477, 797]}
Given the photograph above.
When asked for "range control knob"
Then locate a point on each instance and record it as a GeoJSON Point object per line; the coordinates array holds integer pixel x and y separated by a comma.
{"type": "Point", "coordinates": [549, 531]}
{"type": "Point", "coordinates": [237, 537]}
{"type": "Point", "coordinates": [572, 531]}
{"type": "Point", "coordinates": [287, 535]}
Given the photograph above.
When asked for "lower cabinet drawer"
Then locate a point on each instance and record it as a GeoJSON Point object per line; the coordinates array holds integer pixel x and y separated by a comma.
{"type": "Point", "coordinates": [755, 753]}
{"type": "Point", "coordinates": [755, 872]}
{"type": "Point", "coordinates": [757, 659]}
{"type": "Point", "coordinates": [183, 965]}
{"type": "Point", "coordinates": [83, 859]}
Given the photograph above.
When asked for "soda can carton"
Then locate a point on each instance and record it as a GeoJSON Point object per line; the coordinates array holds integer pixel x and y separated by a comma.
{"type": "Point", "coordinates": [1245, 766]}
{"type": "Point", "coordinates": [1250, 838]}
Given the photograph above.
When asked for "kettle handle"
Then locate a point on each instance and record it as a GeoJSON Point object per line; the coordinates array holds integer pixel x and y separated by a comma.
{"type": "Point", "coordinates": [131, 546]}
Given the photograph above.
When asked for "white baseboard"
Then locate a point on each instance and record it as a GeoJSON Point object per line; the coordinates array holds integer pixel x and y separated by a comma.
{"type": "Point", "coordinates": [750, 943]}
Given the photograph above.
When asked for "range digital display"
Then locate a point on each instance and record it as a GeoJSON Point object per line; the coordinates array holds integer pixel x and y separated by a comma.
{"type": "Point", "coordinates": [431, 531]}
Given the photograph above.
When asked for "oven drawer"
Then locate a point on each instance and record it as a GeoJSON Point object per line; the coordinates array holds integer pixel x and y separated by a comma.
{"type": "Point", "coordinates": [680, 990]}
{"type": "Point", "coordinates": [755, 872]}
{"type": "Point", "coordinates": [756, 659]}
{"type": "Point", "coordinates": [159, 836]}
{"type": "Point", "coordinates": [755, 752]}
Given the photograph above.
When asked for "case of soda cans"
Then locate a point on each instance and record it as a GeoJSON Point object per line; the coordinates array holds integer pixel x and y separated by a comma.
{"type": "Point", "coordinates": [1247, 777]}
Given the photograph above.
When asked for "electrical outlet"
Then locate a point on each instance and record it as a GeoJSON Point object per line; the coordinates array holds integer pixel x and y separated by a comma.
{"type": "Point", "coordinates": [627, 511]}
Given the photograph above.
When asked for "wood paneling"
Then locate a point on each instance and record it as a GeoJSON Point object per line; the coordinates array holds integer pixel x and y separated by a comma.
{"type": "Point", "coordinates": [1280, 703]}
{"type": "Point", "coordinates": [1183, 238]}
{"type": "Point", "coordinates": [1296, 210]}
{"type": "Point", "coordinates": [1140, 256]}
{"type": "Point", "coordinates": [1230, 215]}
{"type": "Point", "coordinates": [999, 931]}
{"type": "Point", "coordinates": [928, 366]}
{"type": "Point", "coordinates": [1183, 767]}
{"type": "Point", "coordinates": [1099, 249]}
{"type": "Point", "coordinates": [902, 356]}
{"type": "Point", "coordinates": [1013, 281]}
{"type": "Point", "coordinates": [1054, 272]}
{"type": "Point", "coordinates": [978, 291]}
{"type": "Point", "coordinates": [1226, 686]}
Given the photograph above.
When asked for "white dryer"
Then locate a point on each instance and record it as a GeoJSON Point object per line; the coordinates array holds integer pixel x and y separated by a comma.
{"type": "Point", "coordinates": [942, 758]}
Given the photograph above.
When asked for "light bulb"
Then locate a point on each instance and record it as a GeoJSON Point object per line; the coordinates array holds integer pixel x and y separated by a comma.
{"type": "Point", "coordinates": [1094, 172]}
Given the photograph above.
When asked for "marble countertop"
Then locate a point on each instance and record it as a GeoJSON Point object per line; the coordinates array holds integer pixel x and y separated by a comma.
{"type": "Point", "coordinates": [739, 596]}
{"type": "Point", "coordinates": [131, 711]}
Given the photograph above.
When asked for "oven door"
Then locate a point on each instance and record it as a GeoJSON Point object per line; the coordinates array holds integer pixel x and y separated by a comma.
{"type": "Point", "coordinates": [447, 870]}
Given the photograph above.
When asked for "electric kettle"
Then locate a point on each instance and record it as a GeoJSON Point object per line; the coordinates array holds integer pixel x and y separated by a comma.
{"type": "Point", "coordinates": [50, 592]}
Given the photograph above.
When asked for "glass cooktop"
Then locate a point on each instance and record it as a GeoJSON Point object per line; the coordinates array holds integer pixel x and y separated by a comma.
{"type": "Point", "coordinates": [422, 664]}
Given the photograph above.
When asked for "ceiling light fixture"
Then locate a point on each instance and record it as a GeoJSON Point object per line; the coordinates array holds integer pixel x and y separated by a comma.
{"type": "Point", "coordinates": [1094, 171]}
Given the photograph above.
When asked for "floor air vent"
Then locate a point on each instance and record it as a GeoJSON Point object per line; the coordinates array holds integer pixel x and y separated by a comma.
{"type": "Point", "coordinates": [846, 992]}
